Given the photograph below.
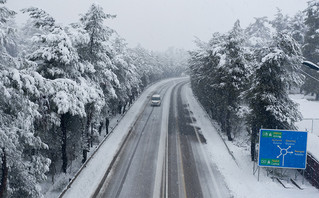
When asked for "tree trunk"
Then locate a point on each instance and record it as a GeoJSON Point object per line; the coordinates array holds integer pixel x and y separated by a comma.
{"type": "Point", "coordinates": [253, 142]}
{"type": "Point", "coordinates": [92, 41]}
{"type": "Point", "coordinates": [84, 142]}
{"type": "Point", "coordinates": [64, 142]}
{"type": "Point", "coordinates": [91, 134]}
{"type": "Point", "coordinates": [4, 178]}
{"type": "Point", "coordinates": [228, 126]}
{"type": "Point", "coordinates": [88, 129]}
{"type": "Point", "coordinates": [52, 166]}
{"type": "Point", "coordinates": [87, 132]}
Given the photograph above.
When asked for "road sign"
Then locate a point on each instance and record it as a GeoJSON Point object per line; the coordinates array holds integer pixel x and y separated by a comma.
{"type": "Point", "coordinates": [282, 148]}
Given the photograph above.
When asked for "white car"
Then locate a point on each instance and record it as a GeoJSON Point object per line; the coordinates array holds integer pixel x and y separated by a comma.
{"type": "Point", "coordinates": [156, 100]}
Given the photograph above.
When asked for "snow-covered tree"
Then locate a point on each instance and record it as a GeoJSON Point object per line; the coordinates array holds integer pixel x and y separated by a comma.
{"type": "Point", "coordinates": [219, 75]}
{"type": "Point", "coordinates": [57, 59]}
{"type": "Point", "coordinates": [297, 27]}
{"type": "Point", "coordinates": [259, 32]}
{"type": "Point", "coordinates": [145, 62]}
{"type": "Point", "coordinates": [125, 71]}
{"type": "Point", "coordinates": [311, 45]}
{"type": "Point", "coordinates": [54, 54]}
{"type": "Point", "coordinates": [173, 61]}
{"type": "Point", "coordinates": [23, 165]}
{"type": "Point", "coordinates": [7, 37]}
{"type": "Point", "coordinates": [203, 64]}
{"type": "Point", "coordinates": [93, 22]}
{"type": "Point", "coordinates": [56, 83]}
{"type": "Point", "coordinates": [98, 49]}
{"type": "Point", "coordinates": [268, 97]}
{"type": "Point", "coordinates": [280, 22]}
{"type": "Point", "coordinates": [20, 143]}
{"type": "Point", "coordinates": [235, 74]}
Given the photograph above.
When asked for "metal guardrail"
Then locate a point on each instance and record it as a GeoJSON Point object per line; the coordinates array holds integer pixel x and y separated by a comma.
{"type": "Point", "coordinates": [87, 161]}
{"type": "Point", "coordinates": [97, 148]}
{"type": "Point", "coordinates": [93, 154]}
{"type": "Point", "coordinates": [218, 130]}
{"type": "Point", "coordinates": [312, 171]}
{"type": "Point", "coordinates": [312, 123]}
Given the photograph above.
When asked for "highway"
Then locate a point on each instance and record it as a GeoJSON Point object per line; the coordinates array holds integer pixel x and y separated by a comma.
{"type": "Point", "coordinates": [163, 155]}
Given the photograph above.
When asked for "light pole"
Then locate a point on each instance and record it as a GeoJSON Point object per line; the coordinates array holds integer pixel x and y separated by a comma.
{"type": "Point", "coordinates": [311, 65]}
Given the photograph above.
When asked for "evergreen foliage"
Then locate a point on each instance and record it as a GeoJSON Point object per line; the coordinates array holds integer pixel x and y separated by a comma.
{"type": "Point", "coordinates": [219, 74]}
{"type": "Point", "coordinates": [57, 85]}
{"type": "Point", "coordinates": [311, 45]}
{"type": "Point", "coordinates": [270, 105]}
{"type": "Point", "coordinates": [245, 76]}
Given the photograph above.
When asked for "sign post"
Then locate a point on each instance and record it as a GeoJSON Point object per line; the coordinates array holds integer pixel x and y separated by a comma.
{"type": "Point", "coordinates": [282, 149]}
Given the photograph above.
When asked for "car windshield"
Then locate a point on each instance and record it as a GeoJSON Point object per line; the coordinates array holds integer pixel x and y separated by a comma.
{"type": "Point", "coordinates": [156, 98]}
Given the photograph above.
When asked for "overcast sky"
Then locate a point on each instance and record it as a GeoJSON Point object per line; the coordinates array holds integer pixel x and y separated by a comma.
{"type": "Point", "coordinates": [159, 24]}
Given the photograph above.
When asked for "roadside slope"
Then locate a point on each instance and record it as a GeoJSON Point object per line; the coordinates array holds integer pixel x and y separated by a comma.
{"type": "Point", "coordinates": [88, 180]}
{"type": "Point", "coordinates": [239, 178]}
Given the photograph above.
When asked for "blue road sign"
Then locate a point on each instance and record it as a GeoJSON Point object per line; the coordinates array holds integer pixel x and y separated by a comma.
{"type": "Point", "coordinates": [282, 148]}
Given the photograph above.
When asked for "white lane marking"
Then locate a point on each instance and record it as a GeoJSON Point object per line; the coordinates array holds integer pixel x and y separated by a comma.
{"type": "Point", "coordinates": [166, 167]}
{"type": "Point", "coordinates": [162, 145]}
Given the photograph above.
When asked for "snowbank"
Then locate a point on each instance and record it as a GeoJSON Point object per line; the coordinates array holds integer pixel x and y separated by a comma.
{"type": "Point", "coordinates": [90, 177]}
{"type": "Point", "coordinates": [239, 174]}
{"type": "Point", "coordinates": [309, 110]}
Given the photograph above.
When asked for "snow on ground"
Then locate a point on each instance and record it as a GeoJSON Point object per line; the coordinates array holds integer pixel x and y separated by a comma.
{"type": "Point", "coordinates": [93, 173]}
{"type": "Point", "coordinates": [52, 190]}
{"type": "Point", "coordinates": [310, 112]}
{"type": "Point", "coordinates": [239, 175]}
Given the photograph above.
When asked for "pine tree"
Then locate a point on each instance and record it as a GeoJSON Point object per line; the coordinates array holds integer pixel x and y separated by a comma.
{"type": "Point", "coordinates": [93, 21]}
{"type": "Point", "coordinates": [97, 51]}
{"type": "Point", "coordinates": [297, 27]}
{"type": "Point", "coordinates": [219, 75]}
{"type": "Point", "coordinates": [234, 75]}
{"type": "Point", "coordinates": [311, 45]}
{"type": "Point", "coordinates": [23, 166]}
{"type": "Point", "coordinates": [280, 22]}
{"type": "Point", "coordinates": [259, 32]}
{"type": "Point", "coordinates": [54, 83]}
{"type": "Point", "coordinates": [203, 66]}
{"type": "Point", "coordinates": [58, 61]}
{"type": "Point", "coordinates": [125, 71]}
{"type": "Point", "coordinates": [7, 37]}
{"type": "Point", "coordinates": [145, 63]}
{"type": "Point", "coordinates": [20, 143]}
{"type": "Point", "coordinates": [268, 97]}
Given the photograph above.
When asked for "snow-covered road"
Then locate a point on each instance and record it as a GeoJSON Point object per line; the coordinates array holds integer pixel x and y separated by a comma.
{"type": "Point", "coordinates": [218, 165]}
{"type": "Point", "coordinates": [163, 155]}
{"type": "Point", "coordinates": [88, 181]}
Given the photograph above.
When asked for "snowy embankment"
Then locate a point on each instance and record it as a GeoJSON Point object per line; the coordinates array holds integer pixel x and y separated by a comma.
{"type": "Point", "coordinates": [310, 112]}
{"type": "Point", "coordinates": [238, 173]}
{"type": "Point", "coordinates": [88, 180]}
